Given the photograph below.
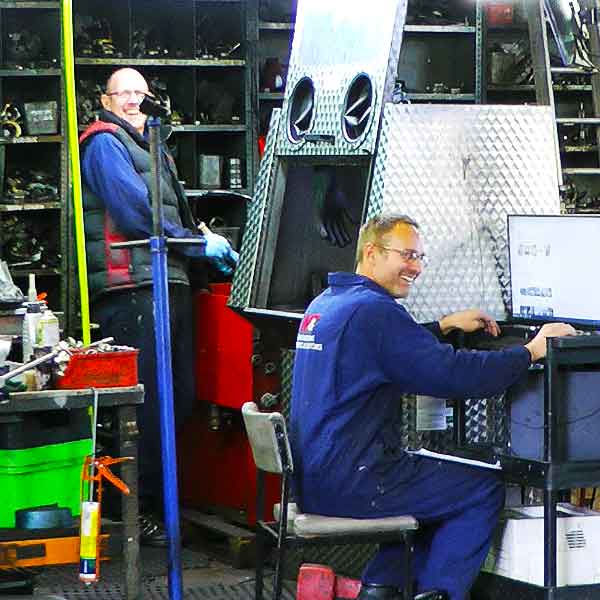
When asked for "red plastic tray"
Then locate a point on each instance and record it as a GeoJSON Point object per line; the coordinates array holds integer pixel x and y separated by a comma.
{"type": "Point", "coordinates": [103, 369]}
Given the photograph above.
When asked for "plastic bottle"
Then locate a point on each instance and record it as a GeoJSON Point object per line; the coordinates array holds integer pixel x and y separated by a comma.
{"type": "Point", "coordinates": [30, 322]}
{"type": "Point", "coordinates": [32, 291]}
{"type": "Point", "coordinates": [47, 330]}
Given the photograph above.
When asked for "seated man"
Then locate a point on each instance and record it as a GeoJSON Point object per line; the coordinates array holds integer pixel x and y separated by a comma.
{"type": "Point", "coordinates": [358, 352]}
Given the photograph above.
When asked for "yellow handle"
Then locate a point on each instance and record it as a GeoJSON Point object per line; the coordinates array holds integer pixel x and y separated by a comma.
{"type": "Point", "coordinates": [74, 170]}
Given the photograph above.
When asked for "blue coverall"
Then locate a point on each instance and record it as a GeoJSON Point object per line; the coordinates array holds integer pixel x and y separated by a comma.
{"type": "Point", "coordinates": [358, 351]}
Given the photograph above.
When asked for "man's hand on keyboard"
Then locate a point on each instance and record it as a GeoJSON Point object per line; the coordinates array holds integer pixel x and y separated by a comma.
{"type": "Point", "coordinates": [537, 346]}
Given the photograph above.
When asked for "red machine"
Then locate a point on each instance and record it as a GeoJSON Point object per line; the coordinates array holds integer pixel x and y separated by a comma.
{"type": "Point", "coordinates": [216, 468]}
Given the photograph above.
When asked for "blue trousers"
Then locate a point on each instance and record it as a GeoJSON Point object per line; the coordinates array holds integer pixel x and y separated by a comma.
{"type": "Point", "coordinates": [457, 507]}
{"type": "Point", "coordinates": [128, 317]}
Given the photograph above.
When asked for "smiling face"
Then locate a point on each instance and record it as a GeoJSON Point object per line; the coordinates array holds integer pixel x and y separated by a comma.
{"type": "Point", "coordinates": [383, 262]}
{"type": "Point", "coordinates": [123, 96]}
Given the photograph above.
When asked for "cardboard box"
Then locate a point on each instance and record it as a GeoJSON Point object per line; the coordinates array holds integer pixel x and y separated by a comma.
{"type": "Point", "coordinates": [517, 549]}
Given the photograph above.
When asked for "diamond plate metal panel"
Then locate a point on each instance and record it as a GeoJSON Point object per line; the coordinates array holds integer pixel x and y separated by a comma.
{"type": "Point", "coordinates": [367, 39]}
{"type": "Point", "coordinates": [287, 371]}
{"type": "Point", "coordinates": [459, 170]}
{"type": "Point", "coordinates": [243, 279]}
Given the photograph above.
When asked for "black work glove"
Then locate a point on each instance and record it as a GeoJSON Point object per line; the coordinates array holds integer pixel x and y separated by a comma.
{"type": "Point", "coordinates": [333, 218]}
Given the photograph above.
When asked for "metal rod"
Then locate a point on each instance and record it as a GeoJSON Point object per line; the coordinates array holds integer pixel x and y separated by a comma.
{"type": "Point", "coordinates": [550, 538]}
{"type": "Point", "coordinates": [162, 333]}
{"type": "Point", "coordinates": [94, 425]}
{"type": "Point", "coordinates": [27, 366]}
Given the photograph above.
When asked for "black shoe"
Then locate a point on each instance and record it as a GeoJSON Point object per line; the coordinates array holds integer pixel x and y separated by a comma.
{"type": "Point", "coordinates": [374, 591]}
{"type": "Point", "coordinates": [152, 532]}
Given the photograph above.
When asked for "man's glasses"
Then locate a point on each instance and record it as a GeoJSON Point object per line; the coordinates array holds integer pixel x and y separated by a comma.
{"type": "Point", "coordinates": [410, 256]}
{"type": "Point", "coordinates": [126, 94]}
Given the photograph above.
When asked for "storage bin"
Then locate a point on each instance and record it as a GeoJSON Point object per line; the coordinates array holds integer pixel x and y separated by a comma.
{"type": "Point", "coordinates": [40, 476]}
{"type": "Point", "coordinates": [100, 370]}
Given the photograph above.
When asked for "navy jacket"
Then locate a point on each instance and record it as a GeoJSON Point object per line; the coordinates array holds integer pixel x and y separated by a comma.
{"type": "Point", "coordinates": [357, 352]}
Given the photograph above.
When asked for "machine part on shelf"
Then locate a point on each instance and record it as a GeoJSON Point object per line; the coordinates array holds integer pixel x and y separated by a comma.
{"type": "Point", "coordinates": [93, 38]}
{"type": "Point", "coordinates": [268, 400]}
{"type": "Point", "coordinates": [510, 63]}
{"type": "Point", "coordinates": [34, 185]}
{"type": "Point", "coordinates": [23, 47]}
{"type": "Point", "coordinates": [215, 103]}
{"type": "Point", "coordinates": [270, 368]}
{"type": "Point", "coordinates": [10, 121]}
{"type": "Point", "coordinates": [147, 43]}
{"type": "Point", "coordinates": [214, 417]}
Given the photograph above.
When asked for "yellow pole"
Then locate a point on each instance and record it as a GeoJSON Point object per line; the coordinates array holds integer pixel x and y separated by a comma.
{"type": "Point", "coordinates": [74, 170]}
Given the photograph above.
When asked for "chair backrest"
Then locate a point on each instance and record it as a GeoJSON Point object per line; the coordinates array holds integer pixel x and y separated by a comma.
{"type": "Point", "coordinates": [268, 439]}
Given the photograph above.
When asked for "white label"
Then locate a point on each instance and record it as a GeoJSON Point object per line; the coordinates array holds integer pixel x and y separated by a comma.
{"type": "Point", "coordinates": [431, 413]}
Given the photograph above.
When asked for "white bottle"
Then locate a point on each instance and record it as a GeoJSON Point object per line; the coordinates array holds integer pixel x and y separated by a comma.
{"type": "Point", "coordinates": [47, 330]}
{"type": "Point", "coordinates": [30, 322]}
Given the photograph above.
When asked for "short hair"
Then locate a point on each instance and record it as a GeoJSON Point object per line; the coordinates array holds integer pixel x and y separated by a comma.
{"type": "Point", "coordinates": [376, 227]}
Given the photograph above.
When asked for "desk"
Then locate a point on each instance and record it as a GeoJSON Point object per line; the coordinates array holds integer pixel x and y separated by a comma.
{"type": "Point", "coordinates": [553, 472]}
{"type": "Point", "coordinates": [123, 402]}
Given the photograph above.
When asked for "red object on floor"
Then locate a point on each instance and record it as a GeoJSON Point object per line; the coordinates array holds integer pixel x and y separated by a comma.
{"type": "Point", "coordinates": [319, 582]}
{"type": "Point", "coordinates": [315, 582]}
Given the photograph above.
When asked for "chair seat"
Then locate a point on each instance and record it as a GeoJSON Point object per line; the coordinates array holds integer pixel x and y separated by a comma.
{"type": "Point", "coordinates": [308, 525]}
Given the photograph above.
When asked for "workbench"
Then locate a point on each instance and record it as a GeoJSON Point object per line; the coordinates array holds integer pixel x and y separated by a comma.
{"type": "Point", "coordinates": [124, 432]}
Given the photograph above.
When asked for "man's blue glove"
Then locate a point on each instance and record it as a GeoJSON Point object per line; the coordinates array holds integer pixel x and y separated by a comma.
{"type": "Point", "coordinates": [220, 252]}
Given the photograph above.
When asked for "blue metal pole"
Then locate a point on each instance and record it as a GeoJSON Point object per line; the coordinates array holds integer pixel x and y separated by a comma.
{"type": "Point", "coordinates": [162, 333]}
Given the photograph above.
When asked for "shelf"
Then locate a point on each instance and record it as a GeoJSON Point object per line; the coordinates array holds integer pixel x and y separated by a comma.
{"type": "Point", "coordinates": [578, 121]}
{"type": "Point", "coordinates": [194, 193]}
{"type": "Point", "coordinates": [581, 171]}
{"type": "Point", "coordinates": [525, 88]}
{"type": "Point", "coordinates": [227, 128]}
{"type": "Point", "coordinates": [36, 272]}
{"type": "Point", "coordinates": [578, 149]}
{"type": "Point", "coordinates": [164, 62]}
{"type": "Point", "coordinates": [442, 97]}
{"type": "Point", "coordinates": [32, 139]}
{"type": "Point", "coordinates": [273, 26]}
{"type": "Point", "coordinates": [29, 72]}
{"type": "Point", "coordinates": [30, 4]}
{"type": "Point", "coordinates": [271, 96]}
{"type": "Point", "coordinates": [30, 206]}
{"type": "Point", "coordinates": [439, 29]}
{"type": "Point", "coordinates": [530, 88]}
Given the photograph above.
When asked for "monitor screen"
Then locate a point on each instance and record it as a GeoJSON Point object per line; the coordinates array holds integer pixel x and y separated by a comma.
{"type": "Point", "coordinates": [560, 17]}
{"type": "Point", "coordinates": [553, 267]}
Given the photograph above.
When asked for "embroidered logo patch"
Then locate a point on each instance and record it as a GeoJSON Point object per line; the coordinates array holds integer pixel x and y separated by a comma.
{"type": "Point", "coordinates": [306, 337]}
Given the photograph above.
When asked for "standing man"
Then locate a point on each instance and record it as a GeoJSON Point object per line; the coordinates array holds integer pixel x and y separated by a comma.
{"type": "Point", "coordinates": [358, 352]}
{"type": "Point", "coordinates": [116, 173]}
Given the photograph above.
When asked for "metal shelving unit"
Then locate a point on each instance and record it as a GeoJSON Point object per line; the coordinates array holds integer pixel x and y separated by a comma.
{"type": "Point", "coordinates": [185, 73]}
{"type": "Point", "coordinates": [28, 83]}
{"type": "Point", "coordinates": [436, 38]}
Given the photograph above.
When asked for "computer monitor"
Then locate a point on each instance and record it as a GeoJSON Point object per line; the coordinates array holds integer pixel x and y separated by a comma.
{"type": "Point", "coordinates": [562, 23]}
{"type": "Point", "coordinates": [553, 262]}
